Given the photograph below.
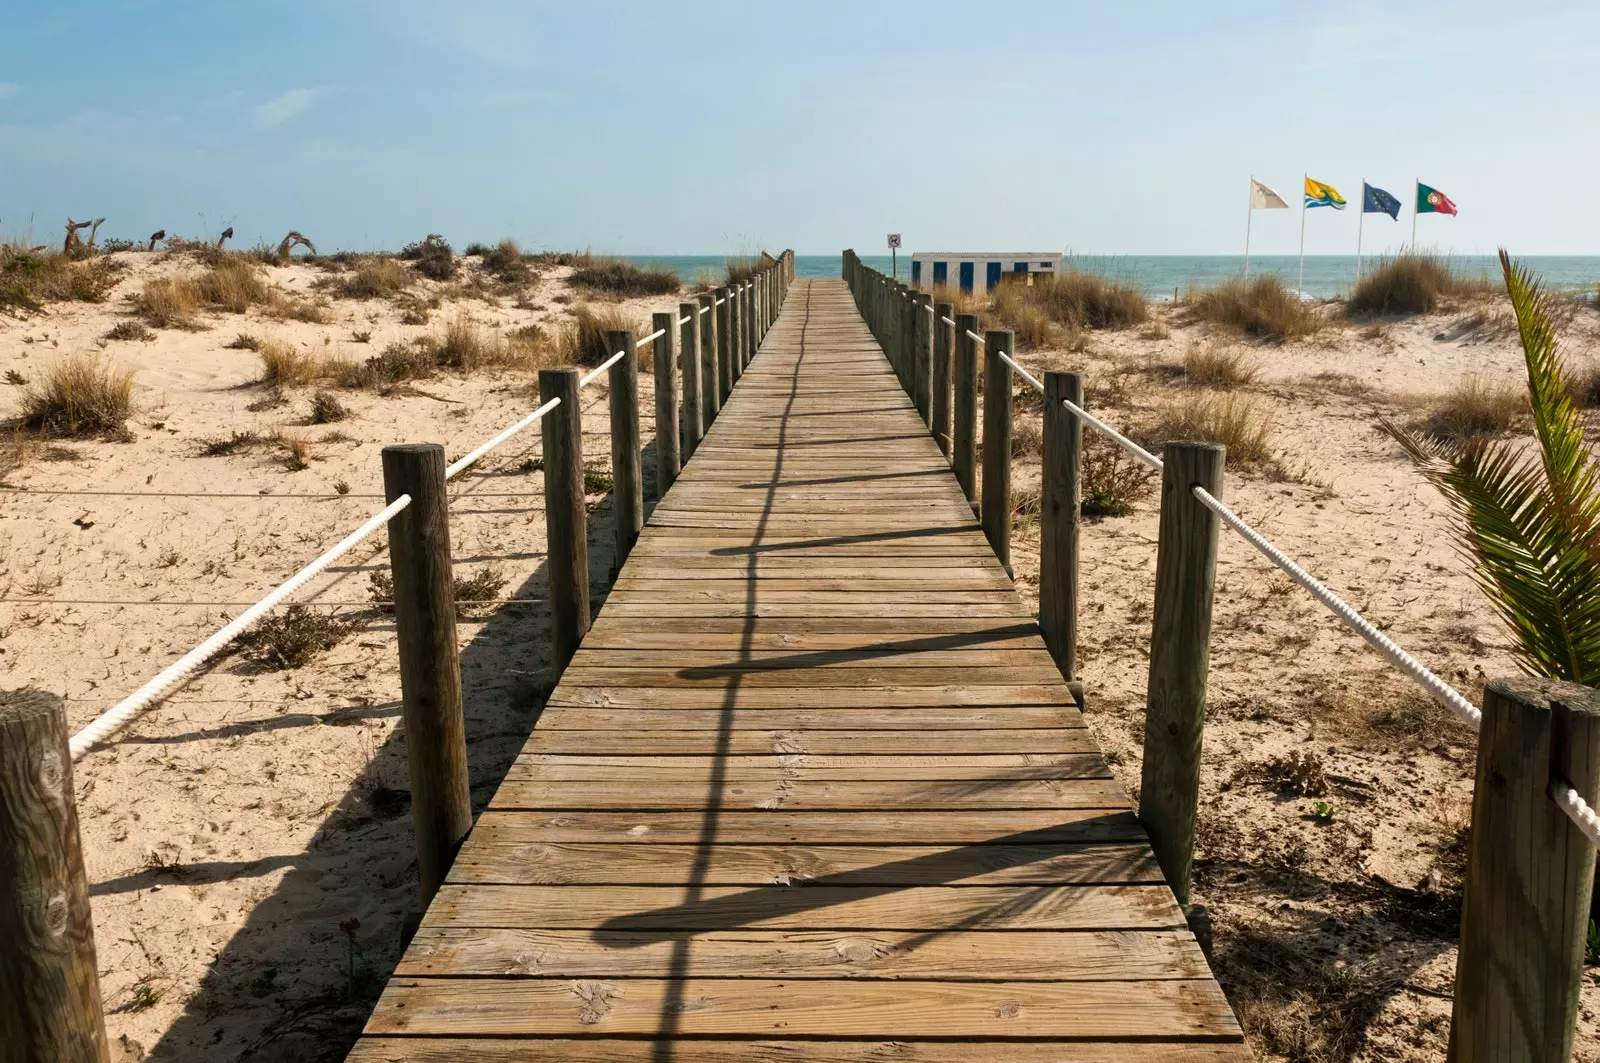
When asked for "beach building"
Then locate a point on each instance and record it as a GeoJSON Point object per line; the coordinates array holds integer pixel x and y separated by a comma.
{"type": "Point", "coordinates": [939, 269]}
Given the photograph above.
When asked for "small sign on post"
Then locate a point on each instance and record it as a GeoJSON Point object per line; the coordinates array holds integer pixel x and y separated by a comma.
{"type": "Point", "coordinates": [894, 246]}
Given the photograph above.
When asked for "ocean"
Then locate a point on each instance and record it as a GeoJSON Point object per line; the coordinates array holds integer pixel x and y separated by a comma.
{"type": "Point", "coordinates": [1159, 276]}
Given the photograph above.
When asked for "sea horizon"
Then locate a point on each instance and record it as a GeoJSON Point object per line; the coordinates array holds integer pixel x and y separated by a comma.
{"type": "Point", "coordinates": [1162, 276]}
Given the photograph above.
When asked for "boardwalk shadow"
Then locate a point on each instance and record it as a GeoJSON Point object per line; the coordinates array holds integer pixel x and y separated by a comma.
{"type": "Point", "coordinates": [278, 989]}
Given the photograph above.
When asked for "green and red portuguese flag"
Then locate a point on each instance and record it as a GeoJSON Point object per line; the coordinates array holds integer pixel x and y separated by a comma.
{"type": "Point", "coordinates": [1432, 201]}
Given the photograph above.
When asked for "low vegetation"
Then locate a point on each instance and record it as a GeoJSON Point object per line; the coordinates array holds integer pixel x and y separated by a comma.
{"type": "Point", "coordinates": [504, 261]}
{"type": "Point", "coordinates": [1238, 422]}
{"type": "Point", "coordinates": [1111, 483]}
{"type": "Point", "coordinates": [482, 586]}
{"type": "Point", "coordinates": [621, 278]}
{"type": "Point", "coordinates": [285, 366]}
{"type": "Point", "coordinates": [129, 330]}
{"type": "Point", "coordinates": [431, 257]}
{"type": "Point", "coordinates": [326, 408]}
{"type": "Point", "coordinates": [233, 286]}
{"type": "Point", "coordinates": [1088, 300]}
{"type": "Point", "coordinates": [1209, 366]}
{"type": "Point", "coordinates": [29, 279]}
{"type": "Point", "coordinates": [1411, 283]}
{"type": "Point", "coordinates": [79, 395]}
{"type": "Point", "coordinates": [294, 637]}
{"type": "Point", "coordinates": [1261, 308]}
{"type": "Point", "coordinates": [1475, 408]}
{"type": "Point", "coordinates": [373, 277]}
{"type": "Point", "coordinates": [582, 341]}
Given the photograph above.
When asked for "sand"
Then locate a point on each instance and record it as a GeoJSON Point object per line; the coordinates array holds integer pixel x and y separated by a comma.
{"type": "Point", "coordinates": [234, 827]}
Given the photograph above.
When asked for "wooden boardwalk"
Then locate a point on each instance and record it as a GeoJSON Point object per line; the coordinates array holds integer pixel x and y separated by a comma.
{"type": "Point", "coordinates": [812, 789]}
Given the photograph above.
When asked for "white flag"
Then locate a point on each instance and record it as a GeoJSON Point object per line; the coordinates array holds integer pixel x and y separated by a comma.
{"type": "Point", "coordinates": [1264, 198]}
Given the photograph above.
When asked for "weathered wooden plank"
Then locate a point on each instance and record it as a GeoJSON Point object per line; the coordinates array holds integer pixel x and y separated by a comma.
{"type": "Point", "coordinates": [746, 1007]}
{"type": "Point", "coordinates": [980, 767]}
{"type": "Point", "coordinates": [493, 855]}
{"type": "Point", "coordinates": [1056, 827]}
{"type": "Point", "coordinates": [798, 696]}
{"type": "Point", "coordinates": [722, 1050]}
{"type": "Point", "coordinates": [1025, 718]}
{"type": "Point", "coordinates": [626, 791]}
{"type": "Point", "coordinates": [1024, 955]}
{"type": "Point", "coordinates": [722, 742]}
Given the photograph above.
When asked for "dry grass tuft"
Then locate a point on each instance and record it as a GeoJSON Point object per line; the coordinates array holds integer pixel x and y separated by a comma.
{"type": "Point", "coordinates": [1238, 422]}
{"type": "Point", "coordinates": [1262, 308]}
{"type": "Point", "coordinates": [296, 448]}
{"type": "Point", "coordinates": [286, 366]}
{"type": "Point", "coordinates": [294, 637]}
{"type": "Point", "coordinates": [169, 302]}
{"type": "Point", "coordinates": [620, 278]}
{"type": "Point", "coordinates": [29, 279]}
{"type": "Point", "coordinates": [1088, 300]}
{"type": "Point", "coordinates": [129, 330]}
{"type": "Point", "coordinates": [432, 257]}
{"type": "Point", "coordinates": [79, 395]}
{"type": "Point", "coordinates": [234, 285]}
{"type": "Point", "coordinates": [505, 263]}
{"type": "Point", "coordinates": [582, 341]}
{"type": "Point", "coordinates": [1111, 483]}
{"type": "Point", "coordinates": [326, 408]}
{"type": "Point", "coordinates": [1208, 366]}
{"type": "Point", "coordinates": [1411, 283]}
{"type": "Point", "coordinates": [960, 302]}
{"type": "Point", "coordinates": [374, 277]}
{"type": "Point", "coordinates": [1475, 408]}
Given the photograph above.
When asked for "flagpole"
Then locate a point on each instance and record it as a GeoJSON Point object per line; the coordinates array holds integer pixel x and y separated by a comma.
{"type": "Point", "coordinates": [1415, 192]}
{"type": "Point", "coordinates": [1360, 221]}
{"type": "Point", "coordinates": [1300, 285]}
{"type": "Point", "coordinates": [1249, 215]}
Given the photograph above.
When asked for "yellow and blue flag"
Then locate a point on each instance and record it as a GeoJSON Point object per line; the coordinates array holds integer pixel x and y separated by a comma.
{"type": "Point", "coordinates": [1321, 195]}
{"type": "Point", "coordinates": [1375, 200]}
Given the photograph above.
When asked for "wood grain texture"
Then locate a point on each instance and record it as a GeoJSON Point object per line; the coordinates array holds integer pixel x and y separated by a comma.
{"type": "Point", "coordinates": [627, 478]}
{"type": "Point", "coordinates": [566, 520]}
{"type": "Point", "coordinates": [813, 785]}
{"type": "Point", "coordinates": [669, 458]}
{"type": "Point", "coordinates": [50, 1008]}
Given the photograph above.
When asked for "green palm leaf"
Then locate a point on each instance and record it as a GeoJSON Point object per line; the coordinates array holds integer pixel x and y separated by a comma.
{"type": "Point", "coordinates": [1528, 523]}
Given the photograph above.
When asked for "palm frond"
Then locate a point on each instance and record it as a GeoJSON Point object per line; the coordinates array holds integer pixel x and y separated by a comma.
{"type": "Point", "coordinates": [1529, 526]}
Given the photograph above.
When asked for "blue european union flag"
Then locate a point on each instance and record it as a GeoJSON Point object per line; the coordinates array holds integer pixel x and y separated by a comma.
{"type": "Point", "coordinates": [1375, 200]}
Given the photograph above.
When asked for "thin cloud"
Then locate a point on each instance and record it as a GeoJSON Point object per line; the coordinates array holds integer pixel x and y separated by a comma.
{"type": "Point", "coordinates": [9, 89]}
{"type": "Point", "coordinates": [283, 107]}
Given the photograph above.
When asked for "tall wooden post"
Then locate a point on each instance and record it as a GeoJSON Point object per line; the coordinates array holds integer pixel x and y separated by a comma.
{"type": "Point", "coordinates": [566, 520]}
{"type": "Point", "coordinates": [50, 1008]}
{"type": "Point", "coordinates": [1180, 657]}
{"type": "Point", "coordinates": [627, 485]}
{"type": "Point", "coordinates": [740, 318]}
{"type": "Point", "coordinates": [669, 460]}
{"type": "Point", "coordinates": [943, 344]}
{"type": "Point", "coordinates": [964, 407]}
{"type": "Point", "coordinates": [727, 323]}
{"type": "Point", "coordinates": [1058, 520]}
{"type": "Point", "coordinates": [430, 669]}
{"type": "Point", "coordinates": [694, 426]}
{"type": "Point", "coordinates": [921, 306]}
{"type": "Point", "coordinates": [996, 500]}
{"type": "Point", "coordinates": [1529, 875]}
{"type": "Point", "coordinates": [710, 395]}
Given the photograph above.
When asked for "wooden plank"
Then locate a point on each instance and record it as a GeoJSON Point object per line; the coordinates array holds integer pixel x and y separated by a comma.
{"type": "Point", "coordinates": [981, 767]}
{"type": "Point", "coordinates": [1024, 955]}
{"type": "Point", "coordinates": [880, 743]}
{"type": "Point", "coordinates": [870, 675]}
{"type": "Point", "coordinates": [722, 1050]}
{"type": "Point", "coordinates": [1064, 827]}
{"type": "Point", "coordinates": [494, 855]}
{"type": "Point", "coordinates": [798, 696]}
{"type": "Point", "coordinates": [746, 1007]}
{"type": "Point", "coordinates": [626, 791]}
{"type": "Point", "coordinates": [1014, 717]}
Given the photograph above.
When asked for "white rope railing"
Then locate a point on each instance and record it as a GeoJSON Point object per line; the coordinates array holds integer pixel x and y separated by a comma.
{"type": "Point", "coordinates": [1569, 800]}
{"type": "Point", "coordinates": [118, 716]}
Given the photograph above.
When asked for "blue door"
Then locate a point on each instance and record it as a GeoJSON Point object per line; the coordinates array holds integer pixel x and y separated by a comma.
{"type": "Point", "coordinates": [1019, 267]}
{"type": "Point", "coordinates": [966, 276]}
{"type": "Point", "coordinates": [916, 274]}
{"type": "Point", "coordinates": [941, 274]}
{"type": "Point", "coordinates": [992, 275]}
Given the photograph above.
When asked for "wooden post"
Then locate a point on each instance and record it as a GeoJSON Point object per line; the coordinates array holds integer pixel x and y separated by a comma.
{"type": "Point", "coordinates": [964, 407]}
{"type": "Point", "coordinates": [921, 306]}
{"type": "Point", "coordinates": [996, 501]}
{"type": "Point", "coordinates": [50, 1009]}
{"type": "Point", "coordinates": [741, 328]}
{"type": "Point", "coordinates": [430, 670]}
{"type": "Point", "coordinates": [566, 520]}
{"type": "Point", "coordinates": [627, 485]}
{"type": "Point", "coordinates": [943, 342]}
{"type": "Point", "coordinates": [669, 460]}
{"type": "Point", "coordinates": [1180, 657]}
{"type": "Point", "coordinates": [727, 336]}
{"type": "Point", "coordinates": [694, 426]}
{"type": "Point", "coordinates": [1529, 873]}
{"type": "Point", "coordinates": [1059, 495]}
{"type": "Point", "coordinates": [710, 397]}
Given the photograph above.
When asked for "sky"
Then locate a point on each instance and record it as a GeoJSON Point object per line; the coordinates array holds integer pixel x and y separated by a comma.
{"type": "Point", "coordinates": [649, 128]}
